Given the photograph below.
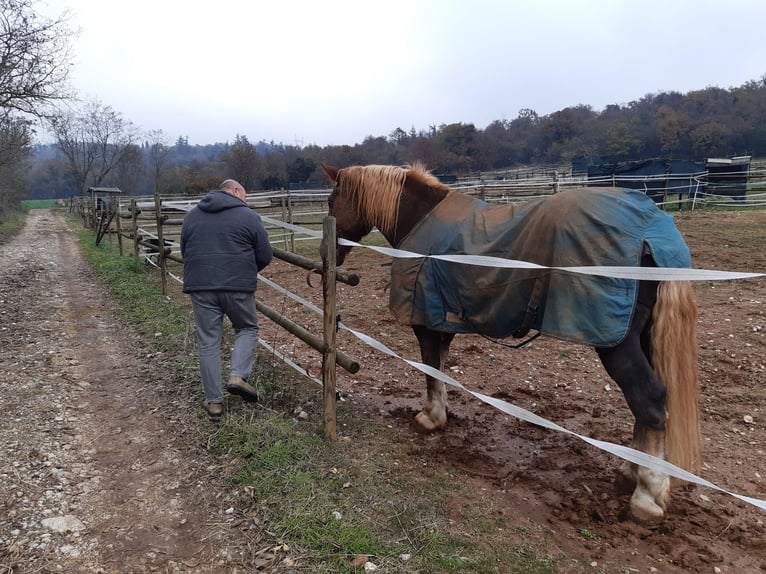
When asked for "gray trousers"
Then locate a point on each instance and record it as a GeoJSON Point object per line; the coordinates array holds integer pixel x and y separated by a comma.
{"type": "Point", "coordinates": [209, 310]}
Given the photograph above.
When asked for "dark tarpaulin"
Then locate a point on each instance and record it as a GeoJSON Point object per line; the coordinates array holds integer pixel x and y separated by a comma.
{"type": "Point", "coordinates": [655, 187]}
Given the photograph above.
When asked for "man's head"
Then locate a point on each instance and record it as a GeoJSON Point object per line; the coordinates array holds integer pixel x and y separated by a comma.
{"type": "Point", "coordinates": [233, 187]}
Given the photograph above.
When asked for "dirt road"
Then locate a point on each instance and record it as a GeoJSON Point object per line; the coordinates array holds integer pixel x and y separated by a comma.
{"type": "Point", "coordinates": [99, 472]}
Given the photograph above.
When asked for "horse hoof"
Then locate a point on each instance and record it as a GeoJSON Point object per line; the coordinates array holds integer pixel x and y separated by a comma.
{"type": "Point", "coordinates": [645, 509]}
{"type": "Point", "coordinates": [427, 423]}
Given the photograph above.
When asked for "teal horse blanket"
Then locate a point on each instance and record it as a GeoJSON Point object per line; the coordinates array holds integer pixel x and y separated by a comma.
{"type": "Point", "coordinates": [580, 227]}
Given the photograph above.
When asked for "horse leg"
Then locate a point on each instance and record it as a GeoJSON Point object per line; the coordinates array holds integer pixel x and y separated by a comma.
{"type": "Point", "coordinates": [629, 364]}
{"type": "Point", "coordinates": [434, 347]}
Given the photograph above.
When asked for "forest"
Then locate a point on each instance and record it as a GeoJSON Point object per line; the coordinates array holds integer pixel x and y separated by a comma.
{"type": "Point", "coordinates": [711, 122]}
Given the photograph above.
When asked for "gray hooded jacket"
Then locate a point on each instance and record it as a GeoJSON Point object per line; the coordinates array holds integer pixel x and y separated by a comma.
{"type": "Point", "coordinates": [223, 244]}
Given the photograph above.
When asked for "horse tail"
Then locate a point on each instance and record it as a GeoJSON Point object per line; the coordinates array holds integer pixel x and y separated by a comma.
{"type": "Point", "coordinates": [674, 358]}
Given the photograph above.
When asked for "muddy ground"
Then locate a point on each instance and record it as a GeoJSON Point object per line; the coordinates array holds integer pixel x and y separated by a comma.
{"type": "Point", "coordinates": [559, 486]}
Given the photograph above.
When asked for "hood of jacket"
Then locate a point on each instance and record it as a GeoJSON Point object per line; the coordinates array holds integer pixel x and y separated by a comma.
{"type": "Point", "coordinates": [217, 200]}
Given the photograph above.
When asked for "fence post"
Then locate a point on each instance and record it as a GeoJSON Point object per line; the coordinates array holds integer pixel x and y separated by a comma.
{"type": "Point", "coordinates": [290, 219]}
{"type": "Point", "coordinates": [327, 250]}
{"type": "Point", "coordinates": [283, 204]}
{"type": "Point", "coordinates": [161, 243]}
{"type": "Point", "coordinates": [92, 214]}
{"type": "Point", "coordinates": [118, 224]}
{"type": "Point", "coordinates": [694, 199]}
{"type": "Point", "coordinates": [134, 218]}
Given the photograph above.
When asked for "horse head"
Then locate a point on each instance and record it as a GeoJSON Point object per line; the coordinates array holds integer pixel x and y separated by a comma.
{"type": "Point", "coordinates": [349, 222]}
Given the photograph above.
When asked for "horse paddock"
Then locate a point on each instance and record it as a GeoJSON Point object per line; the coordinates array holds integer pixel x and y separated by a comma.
{"type": "Point", "coordinates": [558, 486]}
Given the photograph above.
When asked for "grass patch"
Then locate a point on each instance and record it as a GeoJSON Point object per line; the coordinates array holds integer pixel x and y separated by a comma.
{"type": "Point", "coordinates": [41, 204]}
{"type": "Point", "coordinates": [141, 302]}
{"type": "Point", "coordinates": [336, 501]}
{"type": "Point", "coordinates": [11, 225]}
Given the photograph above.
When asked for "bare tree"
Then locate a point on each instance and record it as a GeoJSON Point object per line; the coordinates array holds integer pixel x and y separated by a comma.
{"type": "Point", "coordinates": [129, 174]}
{"type": "Point", "coordinates": [94, 140]}
{"type": "Point", "coordinates": [34, 67]}
{"type": "Point", "coordinates": [34, 58]}
{"type": "Point", "coordinates": [15, 139]}
{"type": "Point", "coordinates": [159, 153]}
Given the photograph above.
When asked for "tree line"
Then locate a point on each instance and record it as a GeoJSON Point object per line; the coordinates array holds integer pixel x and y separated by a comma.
{"type": "Point", "coordinates": [710, 122]}
{"type": "Point", "coordinates": [95, 145]}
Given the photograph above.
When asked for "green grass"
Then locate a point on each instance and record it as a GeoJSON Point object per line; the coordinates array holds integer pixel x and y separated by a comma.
{"type": "Point", "coordinates": [327, 501]}
{"type": "Point", "coordinates": [14, 221]}
{"type": "Point", "coordinates": [11, 225]}
{"type": "Point", "coordinates": [141, 303]}
{"type": "Point", "coordinates": [41, 204]}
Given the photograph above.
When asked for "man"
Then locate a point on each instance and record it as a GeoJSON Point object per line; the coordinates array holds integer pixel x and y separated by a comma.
{"type": "Point", "coordinates": [224, 245]}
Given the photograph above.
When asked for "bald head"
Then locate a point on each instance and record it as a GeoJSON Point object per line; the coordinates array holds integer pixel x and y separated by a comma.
{"type": "Point", "coordinates": [233, 187]}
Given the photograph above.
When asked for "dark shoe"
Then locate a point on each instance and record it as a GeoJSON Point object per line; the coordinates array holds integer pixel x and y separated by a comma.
{"type": "Point", "coordinates": [214, 410]}
{"type": "Point", "coordinates": [237, 386]}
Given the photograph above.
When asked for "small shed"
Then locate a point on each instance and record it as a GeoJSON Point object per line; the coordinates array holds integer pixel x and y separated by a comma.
{"type": "Point", "coordinates": [728, 176]}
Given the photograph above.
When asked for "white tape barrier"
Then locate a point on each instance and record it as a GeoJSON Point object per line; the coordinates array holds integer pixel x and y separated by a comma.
{"type": "Point", "coordinates": [623, 452]}
{"type": "Point", "coordinates": [626, 453]}
{"type": "Point", "coordinates": [288, 361]}
{"type": "Point", "coordinates": [173, 276]}
{"type": "Point", "coordinates": [303, 302]}
{"type": "Point", "coordinates": [290, 294]}
{"type": "Point", "coordinates": [648, 273]}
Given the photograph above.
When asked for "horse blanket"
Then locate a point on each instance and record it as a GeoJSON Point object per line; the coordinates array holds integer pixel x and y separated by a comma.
{"type": "Point", "coordinates": [581, 227]}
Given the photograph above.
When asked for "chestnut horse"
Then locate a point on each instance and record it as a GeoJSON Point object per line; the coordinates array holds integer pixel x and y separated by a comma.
{"type": "Point", "coordinates": [653, 359]}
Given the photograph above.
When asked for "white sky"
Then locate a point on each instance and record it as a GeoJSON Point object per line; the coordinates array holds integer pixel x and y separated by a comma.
{"type": "Point", "coordinates": [336, 71]}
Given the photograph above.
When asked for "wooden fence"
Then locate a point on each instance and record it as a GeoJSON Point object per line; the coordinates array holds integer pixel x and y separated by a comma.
{"type": "Point", "coordinates": [149, 229]}
{"type": "Point", "coordinates": [152, 228]}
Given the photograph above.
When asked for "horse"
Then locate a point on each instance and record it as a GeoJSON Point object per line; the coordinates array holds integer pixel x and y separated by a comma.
{"type": "Point", "coordinates": [643, 331]}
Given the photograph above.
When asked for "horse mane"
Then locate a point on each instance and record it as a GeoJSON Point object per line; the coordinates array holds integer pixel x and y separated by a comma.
{"type": "Point", "coordinates": [377, 189]}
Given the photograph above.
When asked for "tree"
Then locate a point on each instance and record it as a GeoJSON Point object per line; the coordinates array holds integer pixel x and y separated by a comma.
{"type": "Point", "coordinates": [672, 129]}
{"type": "Point", "coordinates": [458, 147]}
{"type": "Point", "coordinates": [242, 162]}
{"type": "Point", "coordinates": [34, 65]}
{"type": "Point", "coordinates": [398, 136]}
{"type": "Point", "coordinates": [300, 169]}
{"type": "Point", "coordinates": [129, 172]}
{"type": "Point", "coordinates": [15, 139]}
{"type": "Point", "coordinates": [159, 153]}
{"type": "Point", "coordinates": [34, 58]}
{"type": "Point", "coordinates": [94, 140]}
{"type": "Point", "coordinates": [619, 143]}
{"type": "Point", "coordinates": [708, 139]}
{"type": "Point", "coordinates": [527, 142]}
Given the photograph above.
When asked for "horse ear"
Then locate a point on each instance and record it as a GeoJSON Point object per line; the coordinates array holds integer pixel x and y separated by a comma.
{"type": "Point", "coordinates": [331, 171]}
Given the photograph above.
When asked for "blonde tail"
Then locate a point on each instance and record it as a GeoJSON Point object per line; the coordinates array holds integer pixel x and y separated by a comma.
{"type": "Point", "coordinates": [674, 358]}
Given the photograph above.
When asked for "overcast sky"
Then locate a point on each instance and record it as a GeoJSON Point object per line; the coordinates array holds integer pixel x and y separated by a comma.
{"type": "Point", "coordinates": [336, 71]}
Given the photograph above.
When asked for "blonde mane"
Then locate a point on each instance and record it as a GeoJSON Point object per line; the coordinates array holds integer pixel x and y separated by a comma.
{"type": "Point", "coordinates": [377, 189]}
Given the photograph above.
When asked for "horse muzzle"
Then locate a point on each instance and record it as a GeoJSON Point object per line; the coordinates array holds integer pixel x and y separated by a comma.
{"type": "Point", "coordinates": [340, 254]}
